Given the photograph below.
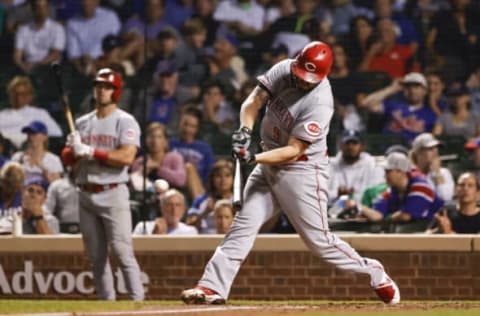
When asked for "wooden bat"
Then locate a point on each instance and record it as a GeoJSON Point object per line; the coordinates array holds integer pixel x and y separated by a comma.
{"type": "Point", "coordinates": [237, 186]}
{"type": "Point", "coordinates": [63, 96]}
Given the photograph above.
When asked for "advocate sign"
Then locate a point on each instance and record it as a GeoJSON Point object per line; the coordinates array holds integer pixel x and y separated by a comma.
{"type": "Point", "coordinates": [29, 281]}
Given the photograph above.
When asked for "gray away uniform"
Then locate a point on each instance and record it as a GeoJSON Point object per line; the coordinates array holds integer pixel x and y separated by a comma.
{"type": "Point", "coordinates": [299, 188]}
{"type": "Point", "coordinates": [105, 219]}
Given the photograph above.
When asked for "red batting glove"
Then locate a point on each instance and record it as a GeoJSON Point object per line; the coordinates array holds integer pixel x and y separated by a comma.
{"type": "Point", "coordinates": [67, 156]}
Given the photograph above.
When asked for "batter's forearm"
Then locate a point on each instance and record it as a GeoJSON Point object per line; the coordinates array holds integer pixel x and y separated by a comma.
{"type": "Point", "coordinates": [250, 107]}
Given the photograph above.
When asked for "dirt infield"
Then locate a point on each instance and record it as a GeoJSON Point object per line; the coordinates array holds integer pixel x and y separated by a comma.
{"type": "Point", "coordinates": [292, 309]}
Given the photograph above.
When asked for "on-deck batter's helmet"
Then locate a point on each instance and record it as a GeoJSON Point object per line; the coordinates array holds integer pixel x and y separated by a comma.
{"type": "Point", "coordinates": [111, 77]}
{"type": "Point", "coordinates": [313, 63]}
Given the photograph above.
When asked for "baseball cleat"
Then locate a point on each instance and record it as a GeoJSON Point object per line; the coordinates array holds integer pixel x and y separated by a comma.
{"type": "Point", "coordinates": [388, 291]}
{"type": "Point", "coordinates": [202, 296]}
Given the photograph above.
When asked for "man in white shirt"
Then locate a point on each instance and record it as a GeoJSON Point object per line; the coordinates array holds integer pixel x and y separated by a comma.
{"type": "Point", "coordinates": [352, 170]}
{"type": "Point", "coordinates": [173, 207]}
{"type": "Point", "coordinates": [245, 17]}
{"type": "Point", "coordinates": [12, 120]}
{"type": "Point", "coordinates": [39, 42]}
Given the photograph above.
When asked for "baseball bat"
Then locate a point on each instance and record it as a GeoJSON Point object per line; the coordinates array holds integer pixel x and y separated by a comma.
{"type": "Point", "coordinates": [237, 186]}
{"type": "Point", "coordinates": [57, 72]}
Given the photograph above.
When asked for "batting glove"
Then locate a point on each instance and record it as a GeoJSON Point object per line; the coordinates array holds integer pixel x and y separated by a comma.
{"type": "Point", "coordinates": [72, 138]}
{"type": "Point", "coordinates": [242, 137]}
{"type": "Point", "coordinates": [80, 149]}
{"type": "Point", "coordinates": [245, 155]}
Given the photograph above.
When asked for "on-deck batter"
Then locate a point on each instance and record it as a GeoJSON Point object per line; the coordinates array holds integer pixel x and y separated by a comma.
{"type": "Point", "coordinates": [104, 145]}
{"type": "Point", "coordinates": [291, 175]}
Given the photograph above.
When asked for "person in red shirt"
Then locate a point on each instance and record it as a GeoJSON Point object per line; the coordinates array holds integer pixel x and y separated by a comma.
{"type": "Point", "coordinates": [385, 55]}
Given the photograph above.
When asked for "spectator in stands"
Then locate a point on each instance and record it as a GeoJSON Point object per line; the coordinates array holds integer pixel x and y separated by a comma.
{"type": "Point", "coordinates": [150, 23]}
{"type": "Point", "coordinates": [459, 120]}
{"type": "Point", "coordinates": [177, 12]}
{"type": "Point", "coordinates": [473, 163]}
{"type": "Point", "coordinates": [453, 37]}
{"type": "Point", "coordinates": [425, 156]}
{"type": "Point", "coordinates": [161, 163]}
{"type": "Point", "coordinates": [12, 178]}
{"type": "Point", "coordinates": [204, 11]}
{"type": "Point", "coordinates": [12, 120]}
{"type": "Point", "coordinates": [407, 115]}
{"type": "Point", "coordinates": [193, 51]}
{"type": "Point", "coordinates": [40, 42]}
{"type": "Point", "coordinates": [86, 32]}
{"type": "Point", "coordinates": [437, 101]}
{"type": "Point", "coordinates": [358, 41]}
{"type": "Point", "coordinates": [4, 157]}
{"type": "Point", "coordinates": [62, 202]}
{"type": "Point", "coordinates": [216, 109]}
{"type": "Point", "coordinates": [244, 17]}
{"type": "Point", "coordinates": [114, 54]}
{"type": "Point", "coordinates": [36, 160]}
{"type": "Point", "coordinates": [165, 96]}
{"type": "Point", "coordinates": [197, 152]}
{"type": "Point", "coordinates": [409, 198]}
{"type": "Point", "coordinates": [171, 210]}
{"type": "Point", "coordinates": [385, 54]}
{"type": "Point", "coordinates": [224, 213]}
{"type": "Point", "coordinates": [473, 84]}
{"type": "Point", "coordinates": [35, 221]}
{"type": "Point", "coordinates": [463, 217]}
{"type": "Point", "coordinates": [352, 170]}
{"type": "Point", "coordinates": [219, 187]}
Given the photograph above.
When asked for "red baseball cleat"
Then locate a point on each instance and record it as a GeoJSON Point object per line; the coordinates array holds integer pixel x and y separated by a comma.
{"type": "Point", "coordinates": [201, 295]}
{"type": "Point", "coordinates": [388, 292]}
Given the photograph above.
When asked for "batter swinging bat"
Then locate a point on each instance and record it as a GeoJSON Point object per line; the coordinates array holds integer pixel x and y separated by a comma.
{"type": "Point", "coordinates": [237, 186]}
{"type": "Point", "coordinates": [63, 96]}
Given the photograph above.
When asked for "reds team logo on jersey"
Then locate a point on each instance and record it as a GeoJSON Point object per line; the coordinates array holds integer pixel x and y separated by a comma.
{"type": "Point", "coordinates": [313, 128]}
{"type": "Point", "coordinates": [130, 133]}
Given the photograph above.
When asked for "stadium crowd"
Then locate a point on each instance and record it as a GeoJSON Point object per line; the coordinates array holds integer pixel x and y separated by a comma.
{"type": "Point", "coordinates": [406, 73]}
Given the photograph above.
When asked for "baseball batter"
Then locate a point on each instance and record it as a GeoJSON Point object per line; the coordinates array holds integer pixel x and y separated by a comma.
{"type": "Point", "coordinates": [104, 145]}
{"type": "Point", "coordinates": [291, 175]}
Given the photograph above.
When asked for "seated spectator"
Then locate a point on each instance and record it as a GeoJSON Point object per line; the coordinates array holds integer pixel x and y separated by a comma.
{"type": "Point", "coordinates": [219, 187]}
{"type": "Point", "coordinates": [40, 42]}
{"type": "Point", "coordinates": [164, 97]}
{"type": "Point", "coordinates": [216, 108]}
{"type": "Point", "coordinates": [409, 198]}
{"type": "Point", "coordinates": [4, 157]}
{"type": "Point", "coordinates": [36, 160]}
{"type": "Point", "coordinates": [86, 32]}
{"type": "Point", "coordinates": [192, 51]}
{"type": "Point", "coordinates": [425, 156]}
{"type": "Point", "coordinates": [150, 23]}
{"type": "Point", "coordinates": [194, 151]}
{"type": "Point", "coordinates": [358, 40]}
{"type": "Point", "coordinates": [385, 54]}
{"type": "Point", "coordinates": [436, 99]}
{"type": "Point", "coordinates": [62, 202]}
{"type": "Point", "coordinates": [473, 85]}
{"type": "Point", "coordinates": [114, 54]}
{"type": "Point", "coordinates": [161, 163]}
{"type": "Point", "coordinates": [177, 12]}
{"type": "Point", "coordinates": [35, 221]}
{"type": "Point", "coordinates": [472, 164]}
{"type": "Point", "coordinates": [244, 17]}
{"type": "Point", "coordinates": [408, 114]}
{"type": "Point", "coordinates": [462, 217]}
{"type": "Point", "coordinates": [12, 178]}
{"type": "Point", "coordinates": [352, 170]}
{"type": "Point", "coordinates": [12, 120]}
{"type": "Point", "coordinates": [459, 120]}
{"type": "Point", "coordinates": [172, 207]}
{"type": "Point", "coordinates": [224, 214]}
{"type": "Point", "coordinates": [204, 10]}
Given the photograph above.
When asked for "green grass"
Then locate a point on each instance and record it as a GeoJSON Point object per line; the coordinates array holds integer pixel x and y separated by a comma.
{"type": "Point", "coordinates": [335, 308]}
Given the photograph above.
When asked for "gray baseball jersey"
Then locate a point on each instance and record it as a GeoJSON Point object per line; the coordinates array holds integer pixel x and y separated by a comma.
{"type": "Point", "coordinates": [118, 128]}
{"type": "Point", "coordinates": [291, 112]}
{"type": "Point", "coordinates": [299, 188]}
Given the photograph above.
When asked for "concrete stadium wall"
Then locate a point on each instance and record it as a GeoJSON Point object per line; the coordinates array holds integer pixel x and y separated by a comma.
{"type": "Point", "coordinates": [279, 267]}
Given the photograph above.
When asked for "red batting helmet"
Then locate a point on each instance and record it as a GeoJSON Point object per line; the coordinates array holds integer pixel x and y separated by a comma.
{"type": "Point", "coordinates": [313, 63]}
{"type": "Point", "coordinates": [111, 77]}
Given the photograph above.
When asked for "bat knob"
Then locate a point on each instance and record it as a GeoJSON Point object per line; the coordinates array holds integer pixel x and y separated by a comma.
{"type": "Point", "coordinates": [242, 152]}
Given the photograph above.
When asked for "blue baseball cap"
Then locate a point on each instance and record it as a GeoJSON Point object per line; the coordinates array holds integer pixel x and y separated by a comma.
{"type": "Point", "coordinates": [35, 127]}
{"type": "Point", "coordinates": [38, 180]}
{"type": "Point", "coordinates": [351, 135]}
